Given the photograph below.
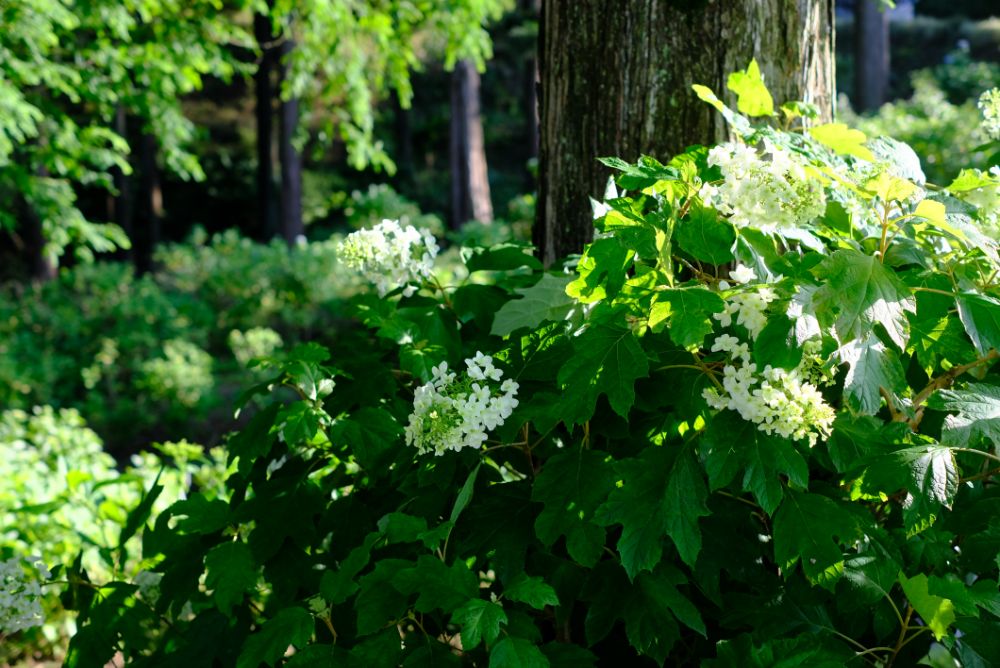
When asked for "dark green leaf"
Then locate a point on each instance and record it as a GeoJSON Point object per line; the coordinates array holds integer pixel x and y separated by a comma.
{"type": "Point", "coordinates": [808, 528]}
{"type": "Point", "coordinates": [872, 367]}
{"type": "Point", "coordinates": [514, 652]}
{"type": "Point", "coordinates": [291, 626]}
{"type": "Point", "coordinates": [689, 312]}
{"type": "Point", "coordinates": [705, 236]}
{"type": "Point", "coordinates": [231, 572]}
{"type": "Point", "coordinates": [480, 620]}
{"type": "Point", "coordinates": [546, 300]}
{"type": "Point", "coordinates": [531, 590]}
{"type": "Point", "coordinates": [976, 409]}
{"type": "Point", "coordinates": [981, 316]}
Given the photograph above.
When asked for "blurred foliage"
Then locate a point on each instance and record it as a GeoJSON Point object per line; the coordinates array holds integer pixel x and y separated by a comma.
{"type": "Point", "coordinates": [944, 135]}
{"type": "Point", "coordinates": [63, 498]}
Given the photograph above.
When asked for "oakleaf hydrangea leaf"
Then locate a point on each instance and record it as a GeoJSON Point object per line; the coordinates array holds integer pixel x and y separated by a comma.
{"type": "Point", "coordinates": [546, 300]}
{"type": "Point", "coordinates": [976, 414]}
{"type": "Point", "coordinates": [607, 360]}
{"type": "Point", "coordinates": [291, 626]}
{"type": "Point", "coordinates": [808, 529]}
{"type": "Point", "coordinates": [230, 572]}
{"type": "Point", "coordinates": [480, 620]}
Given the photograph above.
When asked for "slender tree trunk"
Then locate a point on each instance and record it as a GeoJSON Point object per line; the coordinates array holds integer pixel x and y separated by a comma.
{"type": "Point", "coordinates": [531, 9]}
{"type": "Point", "coordinates": [291, 160]}
{"type": "Point", "coordinates": [120, 204]}
{"type": "Point", "coordinates": [40, 263]}
{"type": "Point", "coordinates": [404, 141]}
{"type": "Point", "coordinates": [470, 186]}
{"type": "Point", "coordinates": [616, 81]}
{"type": "Point", "coordinates": [147, 229]}
{"type": "Point", "coordinates": [871, 55]}
{"type": "Point", "coordinates": [267, 205]}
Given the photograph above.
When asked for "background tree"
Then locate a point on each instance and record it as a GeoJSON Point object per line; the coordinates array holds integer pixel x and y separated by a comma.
{"type": "Point", "coordinates": [470, 185]}
{"type": "Point", "coordinates": [624, 87]}
{"type": "Point", "coordinates": [871, 54]}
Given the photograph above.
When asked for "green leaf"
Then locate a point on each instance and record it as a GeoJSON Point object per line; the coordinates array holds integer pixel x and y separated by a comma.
{"type": "Point", "coordinates": [378, 602]}
{"type": "Point", "coordinates": [291, 626]}
{"type": "Point", "coordinates": [139, 515]}
{"type": "Point", "coordinates": [402, 528]}
{"type": "Point", "coordinates": [502, 257]}
{"type": "Point", "coordinates": [439, 587]}
{"type": "Point", "coordinates": [705, 236]}
{"type": "Point", "coordinates": [571, 486]}
{"type": "Point", "coordinates": [480, 620]}
{"type": "Point", "coordinates": [752, 96]}
{"type": "Point", "coordinates": [688, 311]}
{"type": "Point", "coordinates": [891, 188]}
{"type": "Point", "coordinates": [872, 366]}
{"type": "Point", "coordinates": [976, 409]}
{"type": "Point", "coordinates": [981, 316]}
{"type": "Point", "coordinates": [935, 473]}
{"type": "Point", "coordinates": [602, 270]}
{"type": "Point", "coordinates": [464, 495]}
{"type": "Point", "coordinates": [546, 300]}
{"type": "Point", "coordinates": [607, 360]}
{"type": "Point", "coordinates": [657, 497]}
{"type": "Point", "coordinates": [777, 344]}
{"type": "Point", "coordinates": [684, 503]}
{"type": "Point", "coordinates": [200, 515]}
{"type": "Point", "coordinates": [860, 293]}
{"type": "Point", "coordinates": [298, 423]}
{"type": "Point", "coordinates": [842, 139]}
{"type": "Point", "coordinates": [808, 529]}
{"type": "Point", "coordinates": [938, 613]}
{"type": "Point", "coordinates": [566, 655]}
{"type": "Point", "coordinates": [531, 590]}
{"type": "Point", "coordinates": [230, 572]}
{"type": "Point", "coordinates": [514, 652]}
{"type": "Point", "coordinates": [337, 586]}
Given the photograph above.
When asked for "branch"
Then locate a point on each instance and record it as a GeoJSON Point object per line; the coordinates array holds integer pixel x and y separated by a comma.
{"type": "Point", "coordinates": [941, 382]}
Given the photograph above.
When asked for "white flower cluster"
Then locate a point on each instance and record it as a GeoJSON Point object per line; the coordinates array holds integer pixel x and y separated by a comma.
{"type": "Point", "coordinates": [749, 307]}
{"type": "Point", "coordinates": [779, 402]}
{"type": "Point", "coordinates": [989, 104]}
{"type": "Point", "coordinates": [391, 255]}
{"type": "Point", "coordinates": [20, 606]}
{"type": "Point", "coordinates": [451, 413]}
{"type": "Point", "coordinates": [765, 191]}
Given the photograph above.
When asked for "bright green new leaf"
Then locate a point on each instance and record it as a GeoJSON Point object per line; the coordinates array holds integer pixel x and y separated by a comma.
{"type": "Point", "coordinates": [480, 620]}
{"type": "Point", "coordinates": [290, 627]}
{"type": "Point", "coordinates": [842, 139]}
{"type": "Point", "coordinates": [546, 300]}
{"type": "Point", "coordinates": [938, 613]}
{"type": "Point", "coordinates": [706, 236]}
{"type": "Point", "coordinates": [230, 572]}
{"type": "Point", "coordinates": [752, 96]}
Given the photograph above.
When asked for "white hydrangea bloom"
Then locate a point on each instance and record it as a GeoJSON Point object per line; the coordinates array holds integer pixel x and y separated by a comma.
{"type": "Point", "coordinates": [989, 104]}
{"type": "Point", "coordinates": [451, 413]}
{"type": "Point", "coordinates": [20, 595]}
{"type": "Point", "coordinates": [391, 255]}
{"type": "Point", "coordinates": [766, 191]}
{"type": "Point", "coordinates": [779, 402]}
{"type": "Point", "coordinates": [743, 274]}
{"type": "Point", "coordinates": [749, 309]}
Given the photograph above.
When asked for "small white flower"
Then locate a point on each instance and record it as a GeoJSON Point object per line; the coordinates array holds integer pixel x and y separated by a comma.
{"type": "Point", "coordinates": [20, 595]}
{"type": "Point", "coordinates": [743, 274]}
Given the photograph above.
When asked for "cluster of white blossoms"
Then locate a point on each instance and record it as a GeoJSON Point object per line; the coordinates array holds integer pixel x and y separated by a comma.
{"type": "Point", "coordinates": [778, 401]}
{"type": "Point", "coordinates": [767, 191]}
{"type": "Point", "coordinates": [989, 104]}
{"type": "Point", "coordinates": [20, 606]}
{"type": "Point", "coordinates": [391, 255]}
{"type": "Point", "coordinates": [748, 307]}
{"type": "Point", "coordinates": [451, 413]}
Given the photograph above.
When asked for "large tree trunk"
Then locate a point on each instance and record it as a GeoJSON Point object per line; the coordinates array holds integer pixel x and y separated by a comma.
{"type": "Point", "coordinates": [470, 186]}
{"type": "Point", "coordinates": [616, 81]}
{"type": "Point", "coordinates": [871, 55]}
{"type": "Point", "coordinates": [265, 92]}
{"type": "Point", "coordinates": [40, 263]}
{"type": "Point", "coordinates": [291, 160]}
{"type": "Point", "coordinates": [146, 232]}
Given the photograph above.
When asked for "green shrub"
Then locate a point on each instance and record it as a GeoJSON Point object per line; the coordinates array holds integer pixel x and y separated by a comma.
{"type": "Point", "coordinates": [62, 498]}
{"type": "Point", "coordinates": [946, 136]}
{"type": "Point", "coordinates": [755, 427]}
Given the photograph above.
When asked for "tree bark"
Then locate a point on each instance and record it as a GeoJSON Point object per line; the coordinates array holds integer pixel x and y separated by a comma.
{"type": "Point", "coordinates": [120, 204]}
{"type": "Point", "coordinates": [147, 229]}
{"type": "Point", "coordinates": [292, 226]}
{"type": "Point", "coordinates": [40, 263]}
{"type": "Point", "coordinates": [871, 55]}
{"type": "Point", "coordinates": [531, 9]}
{"type": "Point", "coordinates": [264, 91]}
{"type": "Point", "coordinates": [616, 81]}
{"type": "Point", "coordinates": [470, 186]}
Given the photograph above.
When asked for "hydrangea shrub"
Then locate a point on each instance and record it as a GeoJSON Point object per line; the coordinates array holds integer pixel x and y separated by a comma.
{"type": "Point", "coordinates": [755, 426]}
